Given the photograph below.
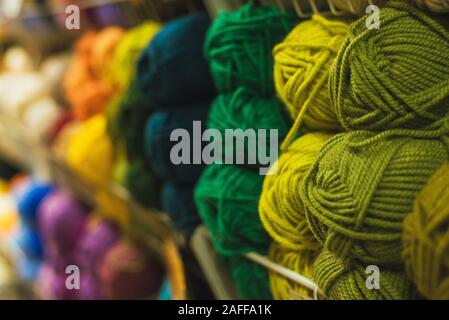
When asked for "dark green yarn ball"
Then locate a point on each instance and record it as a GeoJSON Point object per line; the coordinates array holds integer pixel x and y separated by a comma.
{"type": "Point", "coordinates": [142, 184]}
{"type": "Point", "coordinates": [239, 44]}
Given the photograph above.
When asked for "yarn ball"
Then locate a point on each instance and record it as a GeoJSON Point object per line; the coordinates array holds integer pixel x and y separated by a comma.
{"type": "Point", "coordinates": [281, 210]}
{"type": "Point", "coordinates": [172, 70]}
{"type": "Point", "coordinates": [128, 51]}
{"type": "Point", "coordinates": [142, 184]}
{"type": "Point", "coordinates": [30, 242]}
{"type": "Point", "coordinates": [61, 220]}
{"type": "Point", "coordinates": [89, 288]}
{"type": "Point", "coordinates": [424, 240]}
{"type": "Point", "coordinates": [239, 47]}
{"type": "Point", "coordinates": [347, 280]}
{"type": "Point", "coordinates": [40, 115]}
{"type": "Point", "coordinates": [250, 278]}
{"type": "Point", "coordinates": [243, 110]}
{"type": "Point", "coordinates": [179, 204]}
{"type": "Point", "coordinates": [125, 273]}
{"type": "Point", "coordinates": [160, 149]}
{"type": "Point", "coordinates": [360, 188]}
{"type": "Point", "coordinates": [90, 152]}
{"type": "Point", "coordinates": [434, 5]}
{"type": "Point", "coordinates": [302, 64]}
{"type": "Point", "coordinates": [52, 284]}
{"type": "Point", "coordinates": [126, 123]}
{"type": "Point", "coordinates": [227, 197]}
{"type": "Point", "coordinates": [299, 261]}
{"type": "Point", "coordinates": [98, 237]}
{"type": "Point", "coordinates": [103, 51]}
{"type": "Point", "coordinates": [29, 198]}
{"type": "Point", "coordinates": [394, 77]}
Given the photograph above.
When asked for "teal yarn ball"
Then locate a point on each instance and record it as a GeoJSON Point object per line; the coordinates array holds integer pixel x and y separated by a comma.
{"type": "Point", "coordinates": [227, 200]}
{"type": "Point", "coordinates": [239, 47]}
{"type": "Point", "coordinates": [171, 70]}
{"type": "Point", "coordinates": [243, 110]}
{"type": "Point", "coordinates": [179, 204]}
{"type": "Point", "coordinates": [159, 148]}
{"type": "Point", "coordinates": [143, 184]}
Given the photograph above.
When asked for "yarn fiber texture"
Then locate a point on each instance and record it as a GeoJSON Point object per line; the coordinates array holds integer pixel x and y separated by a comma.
{"type": "Point", "coordinates": [243, 110]}
{"type": "Point", "coordinates": [227, 197]}
{"type": "Point", "coordinates": [239, 44]}
{"type": "Point", "coordinates": [396, 77]}
{"type": "Point", "coordinates": [359, 190]}
{"type": "Point", "coordinates": [159, 145]}
{"type": "Point", "coordinates": [341, 279]}
{"type": "Point", "coordinates": [172, 70]}
{"type": "Point", "coordinates": [302, 64]}
{"type": "Point", "coordinates": [126, 273]}
{"type": "Point", "coordinates": [62, 220]}
{"type": "Point", "coordinates": [281, 210]}
{"type": "Point", "coordinates": [90, 153]}
{"type": "Point", "coordinates": [179, 204]}
{"type": "Point", "coordinates": [425, 238]}
{"type": "Point", "coordinates": [300, 261]}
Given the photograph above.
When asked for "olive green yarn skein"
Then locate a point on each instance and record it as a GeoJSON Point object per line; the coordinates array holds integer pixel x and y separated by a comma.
{"type": "Point", "coordinates": [360, 189]}
{"type": "Point", "coordinates": [238, 47]}
{"type": "Point", "coordinates": [244, 111]}
{"type": "Point", "coordinates": [346, 279]}
{"type": "Point", "coordinates": [395, 77]}
{"type": "Point", "coordinates": [425, 239]}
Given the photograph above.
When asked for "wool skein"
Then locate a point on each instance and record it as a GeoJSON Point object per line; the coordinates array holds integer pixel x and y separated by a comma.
{"type": "Point", "coordinates": [301, 71]}
{"type": "Point", "coordinates": [160, 147]}
{"type": "Point", "coordinates": [395, 77]}
{"type": "Point", "coordinates": [280, 207]}
{"type": "Point", "coordinates": [358, 192]}
{"type": "Point", "coordinates": [342, 279]}
{"type": "Point", "coordinates": [426, 237]}
{"type": "Point", "coordinates": [227, 197]}
{"type": "Point", "coordinates": [243, 110]}
{"type": "Point", "coordinates": [239, 44]}
{"type": "Point", "coordinates": [300, 261]}
{"type": "Point", "coordinates": [172, 70]}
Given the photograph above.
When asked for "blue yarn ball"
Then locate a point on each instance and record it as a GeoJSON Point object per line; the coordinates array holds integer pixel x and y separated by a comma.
{"type": "Point", "coordinates": [29, 199]}
{"type": "Point", "coordinates": [172, 69]}
{"type": "Point", "coordinates": [178, 202]}
{"type": "Point", "coordinates": [30, 242]}
{"type": "Point", "coordinates": [158, 145]}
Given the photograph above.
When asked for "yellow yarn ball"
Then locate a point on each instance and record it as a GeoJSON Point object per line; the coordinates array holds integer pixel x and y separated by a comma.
{"type": "Point", "coordinates": [297, 261]}
{"type": "Point", "coordinates": [301, 70]}
{"type": "Point", "coordinates": [90, 153]}
{"type": "Point", "coordinates": [280, 207]}
{"type": "Point", "coordinates": [425, 238]}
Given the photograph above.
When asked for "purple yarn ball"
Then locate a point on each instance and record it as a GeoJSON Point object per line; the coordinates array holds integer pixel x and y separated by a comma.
{"type": "Point", "coordinates": [94, 243]}
{"type": "Point", "coordinates": [89, 288]}
{"type": "Point", "coordinates": [52, 284]}
{"type": "Point", "coordinates": [61, 220]}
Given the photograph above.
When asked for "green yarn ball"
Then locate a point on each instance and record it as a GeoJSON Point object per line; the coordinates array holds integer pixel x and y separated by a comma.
{"type": "Point", "coordinates": [227, 200]}
{"type": "Point", "coordinates": [360, 188]}
{"type": "Point", "coordinates": [243, 110]}
{"type": "Point", "coordinates": [132, 115]}
{"type": "Point", "coordinates": [251, 279]}
{"type": "Point", "coordinates": [349, 280]}
{"type": "Point", "coordinates": [395, 77]}
{"type": "Point", "coordinates": [142, 184]}
{"type": "Point", "coordinates": [239, 44]}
